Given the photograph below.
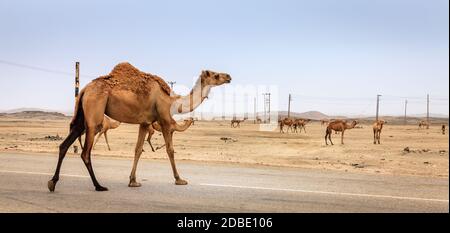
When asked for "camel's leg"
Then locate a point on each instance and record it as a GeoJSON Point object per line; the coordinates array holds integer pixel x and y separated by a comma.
{"type": "Point", "coordinates": [143, 129]}
{"type": "Point", "coordinates": [106, 139]}
{"type": "Point", "coordinates": [379, 136]}
{"type": "Point", "coordinates": [98, 138]}
{"type": "Point", "coordinates": [326, 135]}
{"type": "Point", "coordinates": [329, 138]}
{"type": "Point", "coordinates": [342, 137]}
{"type": "Point", "coordinates": [79, 140]}
{"type": "Point", "coordinates": [168, 133]}
{"type": "Point", "coordinates": [73, 135]}
{"type": "Point", "coordinates": [374, 136]}
{"type": "Point", "coordinates": [86, 156]}
{"type": "Point", "coordinates": [151, 131]}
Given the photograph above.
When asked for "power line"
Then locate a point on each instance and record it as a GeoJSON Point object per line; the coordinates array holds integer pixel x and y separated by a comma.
{"type": "Point", "coordinates": [41, 69]}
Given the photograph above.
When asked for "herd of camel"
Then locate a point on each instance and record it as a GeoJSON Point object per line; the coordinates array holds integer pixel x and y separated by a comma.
{"type": "Point", "coordinates": [333, 125]}
{"type": "Point", "coordinates": [131, 96]}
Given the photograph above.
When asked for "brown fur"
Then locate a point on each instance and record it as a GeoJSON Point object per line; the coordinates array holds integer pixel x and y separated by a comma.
{"type": "Point", "coordinates": [131, 96]}
{"type": "Point", "coordinates": [237, 123]}
{"type": "Point", "coordinates": [128, 77]}
{"type": "Point", "coordinates": [300, 124]}
{"type": "Point", "coordinates": [424, 124]}
{"type": "Point", "coordinates": [107, 124]}
{"type": "Point", "coordinates": [338, 126]}
{"type": "Point", "coordinates": [156, 127]}
{"type": "Point", "coordinates": [286, 121]}
{"type": "Point", "coordinates": [377, 127]}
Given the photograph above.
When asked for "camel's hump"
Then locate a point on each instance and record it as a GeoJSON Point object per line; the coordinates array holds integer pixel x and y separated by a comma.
{"type": "Point", "coordinates": [126, 73]}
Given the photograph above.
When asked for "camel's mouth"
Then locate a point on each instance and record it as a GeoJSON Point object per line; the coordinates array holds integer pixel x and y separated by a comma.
{"type": "Point", "coordinates": [228, 80]}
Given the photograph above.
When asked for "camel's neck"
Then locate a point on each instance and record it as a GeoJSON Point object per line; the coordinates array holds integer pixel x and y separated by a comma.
{"type": "Point", "coordinates": [188, 103]}
{"type": "Point", "coordinates": [347, 126]}
{"type": "Point", "coordinates": [183, 127]}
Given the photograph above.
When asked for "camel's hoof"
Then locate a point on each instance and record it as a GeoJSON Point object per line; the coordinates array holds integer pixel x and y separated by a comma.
{"type": "Point", "coordinates": [101, 188]}
{"type": "Point", "coordinates": [134, 184]}
{"type": "Point", "coordinates": [181, 182]}
{"type": "Point", "coordinates": [51, 185]}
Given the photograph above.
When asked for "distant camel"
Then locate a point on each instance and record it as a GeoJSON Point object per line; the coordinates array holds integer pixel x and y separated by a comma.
{"type": "Point", "coordinates": [237, 123]}
{"type": "Point", "coordinates": [286, 121]}
{"type": "Point", "coordinates": [300, 124]}
{"type": "Point", "coordinates": [377, 127]}
{"type": "Point", "coordinates": [155, 126]}
{"type": "Point", "coordinates": [324, 122]}
{"type": "Point", "coordinates": [443, 129]}
{"type": "Point", "coordinates": [107, 124]}
{"type": "Point", "coordinates": [338, 125]}
{"type": "Point", "coordinates": [424, 124]}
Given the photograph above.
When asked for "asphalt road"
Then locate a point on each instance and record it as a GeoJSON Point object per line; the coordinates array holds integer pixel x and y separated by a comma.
{"type": "Point", "coordinates": [213, 187]}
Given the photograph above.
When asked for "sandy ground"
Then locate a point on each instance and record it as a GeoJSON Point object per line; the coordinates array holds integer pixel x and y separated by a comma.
{"type": "Point", "coordinates": [202, 142]}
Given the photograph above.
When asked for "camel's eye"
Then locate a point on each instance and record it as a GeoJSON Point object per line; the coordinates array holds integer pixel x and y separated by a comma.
{"type": "Point", "coordinates": [216, 76]}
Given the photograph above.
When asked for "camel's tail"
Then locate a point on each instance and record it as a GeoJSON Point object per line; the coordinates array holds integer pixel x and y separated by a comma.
{"type": "Point", "coordinates": [78, 117]}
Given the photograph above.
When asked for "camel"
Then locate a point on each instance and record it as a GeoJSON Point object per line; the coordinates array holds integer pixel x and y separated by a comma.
{"type": "Point", "coordinates": [340, 126]}
{"type": "Point", "coordinates": [324, 122]}
{"type": "Point", "coordinates": [107, 124]}
{"type": "Point", "coordinates": [300, 123]}
{"type": "Point", "coordinates": [443, 129]}
{"type": "Point", "coordinates": [237, 123]}
{"type": "Point", "coordinates": [424, 124]}
{"type": "Point", "coordinates": [377, 127]}
{"type": "Point", "coordinates": [131, 96]}
{"type": "Point", "coordinates": [155, 126]}
{"type": "Point", "coordinates": [286, 121]}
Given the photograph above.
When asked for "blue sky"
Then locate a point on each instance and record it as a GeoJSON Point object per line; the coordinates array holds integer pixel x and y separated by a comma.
{"type": "Point", "coordinates": [333, 56]}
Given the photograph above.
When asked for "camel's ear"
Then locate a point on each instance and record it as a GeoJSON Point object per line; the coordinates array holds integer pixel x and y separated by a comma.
{"type": "Point", "coordinates": [206, 73]}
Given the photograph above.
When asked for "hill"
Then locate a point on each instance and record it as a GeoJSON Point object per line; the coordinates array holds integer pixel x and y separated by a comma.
{"type": "Point", "coordinates": [41, 115]}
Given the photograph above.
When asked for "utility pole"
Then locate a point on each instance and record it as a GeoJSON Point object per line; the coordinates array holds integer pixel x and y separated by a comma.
{"type": "Point", "coordinates": [234, 105]}
{"type": "Point", "coordinates": [378, 106]}
{"type": "Point", "coordinates": [266, 102]}
{"type": "Point", "coordinates": [223, 105]}
{"type": "Point", "coordinates": [265, 117]}
{"type": "Point", "coordinates": [77, 82]}
{"type": "Point", "coordinates": [246, 106]}
{"type": "Point", "coordinates": [269, 107]}
{"type": "Point", "coordinates": [254, 110]}
{"type": "Point", "coordinates": [428, 111]}
{"type": "Point", "coordinates": [289, 106]}
{"type": "Point", "coordinates": [406, 105]}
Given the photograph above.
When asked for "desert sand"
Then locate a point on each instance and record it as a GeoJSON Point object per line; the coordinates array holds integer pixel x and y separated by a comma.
{"type": "Point", "coordinates": [428, 155]}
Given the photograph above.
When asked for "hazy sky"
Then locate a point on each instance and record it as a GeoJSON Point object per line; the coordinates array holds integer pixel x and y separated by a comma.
{"type": "Point", "coordinates": [334, 56]}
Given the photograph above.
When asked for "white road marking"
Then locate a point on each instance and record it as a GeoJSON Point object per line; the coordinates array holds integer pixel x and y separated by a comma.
{"type": "Point", "coordinates": [328, 193]}
{"type": "Point", "coordinates": [42, 173]}
{"type": "Point", "coordinates": [261, 188]}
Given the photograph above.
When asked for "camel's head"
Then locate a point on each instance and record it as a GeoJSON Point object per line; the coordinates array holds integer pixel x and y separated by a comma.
{"type": "Point", "coordinates": [211, 78]}
{"type": "Point", "coordinates": [355, 122]}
